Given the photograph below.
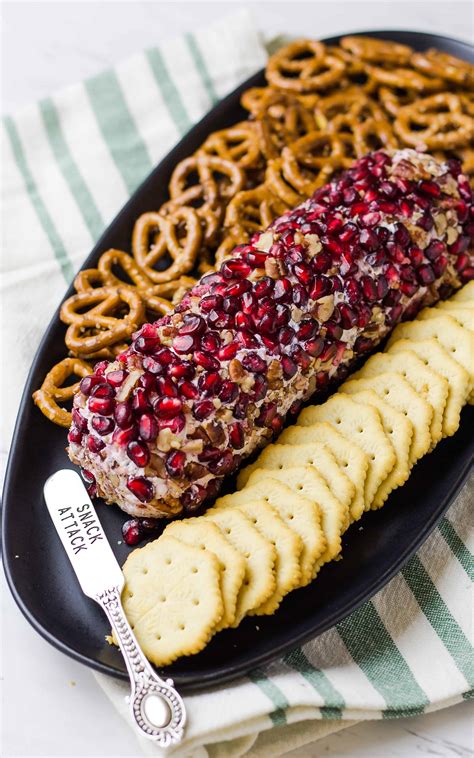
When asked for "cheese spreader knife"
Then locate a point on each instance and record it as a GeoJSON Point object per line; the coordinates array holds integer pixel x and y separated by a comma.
{"type": "Point", "coordinates": [156, 708]}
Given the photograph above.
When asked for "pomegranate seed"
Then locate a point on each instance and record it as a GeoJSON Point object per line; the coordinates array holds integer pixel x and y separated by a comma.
{"type": "Point", "coordinates": [210, 342]}
{"type": "Point", "coordinates": [247, 339]}
{"type": "Point", "coordinates": [222, 465]}
{"type": "Point", "coordinates": [314, 346]}
{"type": "Point", "coordinates": [228, 392]}
{"type": "Point", "coordinates": [303, 272]}
{"type": "Point", "coordinates": [175, 425]}
{"type": "Point", "coordinates": [184, 370]}
{"type": "Point", "coordinates": [302, 359]}
{"type": "Point", "coordinates": [407, 274]}
{"type": "Point", "coordinates": [321, 287]}
{"type": "Point", "coordinates": [363, 344]}
{"type": "Point", "coordinates": [237, 289]}
{"type": "Point", "coordinates": [426, 275]}
{"type": "Point", "coordinates": [430, 188]}
{"type": "Point", "coordinates": [289, 367]}
{"type": "Point", "coordinates": [266, 415]}
{"type": "Point", "coordinates": [348, 316]}
{"type": "Point", "coordinates": [122, 437]}
{"type": "Point", "coordinates": [462, 262]}
{"type": "Point", "coordinates": [151, 365]}
{"type": "Point", "coordinates": [203, 409]}
{"type": "Point", "coordinates": [174, 463]}
{"type": "Point", "coordinates": [165, 356]}
{"type": "Point", "coordinates": [425, 222]}
{"type": "Point", "coordinates": [210, 303]}
{"type": "Point", "coordinates": [236, 435]}
{"type": "Point", "coordinates": [349, 196]}
{"type": "Point", "coordinates": [101, 405]}
{"type": "Point", "coordinates": [139, 400]}
{"type": "Point", "coordinates": [416, 256]}
{"type": "Point", "coordinates": [228, 352]}
{"type": "Point", "coordinates": [282, 291]}
{"type": "Point", "coordinates": [116, 378]}
{"type": "Point", "coordinates": [333, 330]}
{"type": "Point", "coordinates": [348, 232]}
{"type": "Point", "coordinates": [369, 289]}
{"type": "Point", "coordinates": [286, 335]}
{"type": "Point", "coordinates": [368, 239]}
{"type": "Point", "coordinates": [370, 219]}
{"type": "Point", "coordinates": [102, 425]}
{"type": "Point", "coordinates": [131, 532]}
{"type": "Point", "coordinates": [94, 444]}
{"type": "Point", "coordinates": [434, 250]}
{"type": "Point", "coordinates": [321, 262]}
{"type": "Point", "coordinates": [88, 383]}
{"type": "Point", "coordinates": [328, 352]}
{"type": "Point", "coordinates": [306, 330]}
{"type": "Point", "coordinates": [206, 361]}
{"type": "Point", "coordinates": [138, 453]}
{"type": "Point", "coordinates": [148, 427]}
{"type": "Point", "coordinates": [146, 344]}
{"type": "Point", "coordinates": [241, 406]}
{"type": "Point", "coordinates": [300, 298]}
{"type": "Point", "coordinates": [460, 245]}
{"type": "Point", "coordinates": [253, 362]}
{"type": "Point", "coordinates": [193, 324]}
{"type": "Point", "coordinates": [260, 387]}
{"type": "Point", "coordinates": [188, 390]}
{"type": "Point", "coordinates": [364, 314]}
{"type": "Point", "coordinates": [440, 265]}
{"type": "Point", "coordinates": [142, 488]}
{"type": "Point", "coordinates": [167, 387]}
{"type": "Point", "coordinates": [74, 435]}
{"type": "Point", "coordinates": [102, 390]}
{"type": "Point", "coordinates": [263, 287]}
{"type": "Point", "coordinates": [408, 288]}
{"type": "Point", "coordinates": [395, 314]}
{"type": "Point", "coordinates": [256, 260]}
{"type": "Point", "coordinates": [392, 298]}
{"type": "Point", "coordinates": [167, 407]}
{"type": "Point", "coordinates": [99, 368]}
{"type": "Point", "coordinates": [183, 343]}
{"type": "Point", "coordinates": [79, 420]}
{"type": "Point", "coordinates": [193, 497]}
{"type": "Point", "coordinates": [235, 268]}
{"type": "Point", "coordinates": [88, 476]}
{"type": "Point", "coordinates": [382, 287]}
{"type": "Point", "coordinates": [210, 383]}
{"type": "Point", "coordinates": [467, 274]}
{"type": "Point", "coordinates": [249, 302]}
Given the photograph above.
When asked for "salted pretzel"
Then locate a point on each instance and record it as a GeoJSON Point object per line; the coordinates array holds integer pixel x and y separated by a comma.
{"type": "Point", "coordinates": [174, 289]}
{"type": "Point", "coordinates": [227, 247]}
{"type": "Point", "coordinates": [252, 210]}
{"type": "Point", "coordinates": [281, 118]}
{"type": "Point", "coordinates": [405, 78]}
{"type": "Point", "coordinates": [211, 176]}
{"type": "Point", "coordinates": [310, 161]}
{"type": "Point", "coordinates": [89, 279]}
{"type": "Point", "coordinates": [156, 239]}
{"type": "Point", "coordinates": [238, 144]}
{"type": "Point", "coordinates": [438, 64]}
{"type": "Point", "coordinates": [304, 66]}
{"type": "Point", "coordinates": [356, 73]}
{"type": "Point", "coordinates": [112, 315]}
{"type": "Point", "coordinates": [376, 50]}
{"type": "Point", "coordinates": [52, 392]}
{"type": "Point", "coordinates": [394, 99]}
{"type": "Point", "coordinates": [436, 123]}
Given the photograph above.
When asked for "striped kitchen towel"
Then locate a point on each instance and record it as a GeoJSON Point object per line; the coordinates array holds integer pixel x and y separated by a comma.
{"type": "Point", "coordinates": [69, 164]}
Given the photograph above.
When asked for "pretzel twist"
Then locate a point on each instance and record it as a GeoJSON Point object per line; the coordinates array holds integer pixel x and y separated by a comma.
{"type": "Point", "coordinates": [52, 392]}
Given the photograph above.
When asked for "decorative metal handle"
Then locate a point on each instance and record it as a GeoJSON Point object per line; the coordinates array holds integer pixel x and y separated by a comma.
{"type": "Point", "coordinates": [156, 707]}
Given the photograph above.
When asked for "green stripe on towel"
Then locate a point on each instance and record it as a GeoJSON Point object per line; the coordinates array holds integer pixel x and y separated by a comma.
{"type": "Point", "coordinates": [375, 652]}
{"type": "Point", "coordinates": [201, 67]}
{"type": "Point", "coordinates": [119, 129]}
{"type": "Point", "coordinates": [459, 549]}
{"type": "Point", "coordinates": [70, 170]}
{"type": "Point", "coordinates": [169, 91]}
{"type": "Point", "coordinates": [334, 702]}
{"type": "Point", "coordinates": [274, 694]}
{"type": "Point", "coordinates": [59, 250]}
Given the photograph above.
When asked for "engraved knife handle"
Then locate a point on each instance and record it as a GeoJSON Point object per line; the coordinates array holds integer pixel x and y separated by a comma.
{"type": "Point", "coordinates": [156, 707]}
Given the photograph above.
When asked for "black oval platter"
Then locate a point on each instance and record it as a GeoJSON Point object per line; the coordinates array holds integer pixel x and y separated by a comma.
{"type": "Point", "coordinates": [38, 571]}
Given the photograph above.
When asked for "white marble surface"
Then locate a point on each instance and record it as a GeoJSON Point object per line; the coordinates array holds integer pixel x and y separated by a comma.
{"type": "Point", "coordinates": [51, 705]}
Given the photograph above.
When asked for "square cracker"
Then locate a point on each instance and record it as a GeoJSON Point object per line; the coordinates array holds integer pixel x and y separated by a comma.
{"type": "Point", "coordinates": [362, 426]}
{"type": "Point", "coordinates": [437, 358]}
{"type": "Point", "coordinates": [350, 457]}
{"type": "Point", "coordinates": [465, 294]}
{"type": "Point", "coordinates": [301, 515]}
{"type": "Point", "coordinates": [396, 391]}
{"type": "Point", "coordinates": [431, 386]}
{"type": "Point", "coordinates": [314, 454]}
{"type": "Point", "coordinates": [287, 545]}
{"type": "Point", "coordinates": [400, 432]}
{"type": "Point", "coordinates": [464, 316]}
{"type": "Point", "coordinates": [457, 341]}
{"type": "Point", "coordinates": [205, 535]}
{"type": "Point", "coordinates": [260, 556]}
{"type": "Point", "coordinates": [172, 598]}
{"type": "Point", "coordinates": [305, 481]}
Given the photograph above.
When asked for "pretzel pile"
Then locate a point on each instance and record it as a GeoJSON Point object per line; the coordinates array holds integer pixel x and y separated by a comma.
{"type": "Point", "coordinates": [323, 107]}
